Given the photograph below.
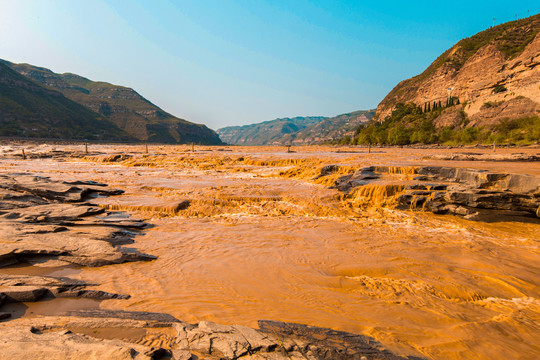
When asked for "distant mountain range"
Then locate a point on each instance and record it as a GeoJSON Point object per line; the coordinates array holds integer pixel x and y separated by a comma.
{"type": "Point", "coordinates": [36, 102]}
{"type": "Point", "coordinates": [268, 132]}
{"type": "Point", "coordinates": [295, 131]}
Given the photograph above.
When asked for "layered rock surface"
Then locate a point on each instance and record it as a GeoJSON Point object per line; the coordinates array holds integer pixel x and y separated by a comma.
{"type": "Point", "coordinates": [44, 220]}
{"type": "Point", "coordinates": [474, 194]}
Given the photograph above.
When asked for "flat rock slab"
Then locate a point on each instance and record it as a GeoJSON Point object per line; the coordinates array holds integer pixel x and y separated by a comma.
{"type": "Point", "coordinates": [127, 315]}
{"type": "Point", "coordinates": [278, 341]}
{"type": "Point", "coordinates": [22, 293]}
{"type": "Point", "coordinates": [21, 288]}
{"type": "Point", "coordinates": [41, 217]}
{"type": "Point", "coordinates": [27, 343]}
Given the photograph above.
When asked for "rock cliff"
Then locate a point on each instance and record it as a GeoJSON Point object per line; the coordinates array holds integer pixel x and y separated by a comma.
{"type": "Point", "coordinates": [494, 74]}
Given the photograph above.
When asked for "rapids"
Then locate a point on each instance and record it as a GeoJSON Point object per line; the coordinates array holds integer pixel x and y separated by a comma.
{"type": "Point", "coordinates": [262, 240]}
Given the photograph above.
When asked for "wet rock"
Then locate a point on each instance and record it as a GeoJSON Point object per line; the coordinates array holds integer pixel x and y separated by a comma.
{"type": "Point", "coordinates": [20, 288]}
{"type": "Point", "coordinates": [463, 192]}
{"type": "Point", "coordinates": [16, 343]}
{"type": "Point", "coordinates": [359, 178]}
{"type": "Point", "coordinates": [158, 353]}
{"type": "Point", "coordinates": [22, 293]}
{"type": "Point", "coordinates": [178, 354]}
{"type": "Point", "coordinates": [182, 205]}
{"type": "Point", "coordinates": [125, 315]}
{"type": "Point", "coordinates": [327, 170]}
{"type": "Point", "coordinates": [276, 340]}
{"type": "Point", "coordinates": [321, 343]}
{"type": "Point", "coordinates": [111, 158]}
{"type": "Point", "coordinates": [52, 190]}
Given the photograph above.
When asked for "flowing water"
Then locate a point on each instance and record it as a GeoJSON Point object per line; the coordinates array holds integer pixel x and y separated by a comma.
{"type": "Point", "coordinates": [262, 240]}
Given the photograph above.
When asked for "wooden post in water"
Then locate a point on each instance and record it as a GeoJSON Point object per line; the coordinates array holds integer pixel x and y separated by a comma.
{"type": "Point", "coordinates": [288, 148]}
{"type": "Point", "coordinates": [23, 155]}
{"type": "Point", "coordinates": [192, 147]}
{"type": "Point", "coordinates": [146, 148]}
{"type": "Point", "coordinates": [86, 148]}
{"type": "Point", "coordinates": [494, 146]}
{"type": "Point", "coordinates": [369, 149]}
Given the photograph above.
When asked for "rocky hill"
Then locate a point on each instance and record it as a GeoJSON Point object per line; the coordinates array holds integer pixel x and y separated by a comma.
{"type": "Point", "coordinates": [295, 131]}
{"type": "Point", "coordinates": [131, 112]}
{"type": "Point", "coordinates": [330, 129]}
{"type": "Point", "coordinates": [29, 110]}
{"type": "Point", "coordinates": [494, 74]}
{"type": "Point", "coordinates": [267, 133]}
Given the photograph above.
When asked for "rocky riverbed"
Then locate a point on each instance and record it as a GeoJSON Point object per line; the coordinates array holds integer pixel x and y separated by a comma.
{"type": "Point", "coordinates": [48, 223]}
{"type": "Point", "coordinates": [388, 254]}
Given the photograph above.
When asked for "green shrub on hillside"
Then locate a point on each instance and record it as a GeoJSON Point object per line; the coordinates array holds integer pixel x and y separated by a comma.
{"type": "Point", "coordinates": [499, 89]}
{"type": "Point", "coordinates": [408, 124]}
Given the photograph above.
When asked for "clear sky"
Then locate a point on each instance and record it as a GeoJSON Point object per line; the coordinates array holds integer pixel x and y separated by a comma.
{"type": "Point", "coordinates": [222, 62]}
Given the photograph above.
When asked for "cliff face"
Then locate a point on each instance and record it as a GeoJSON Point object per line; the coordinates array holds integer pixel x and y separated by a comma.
{"type": "Point", "coordinates": [29, 110]}
{"type": "Point", "coordinates": [123, 106]}
{"type": "Point", "coordinates": [494, 73]}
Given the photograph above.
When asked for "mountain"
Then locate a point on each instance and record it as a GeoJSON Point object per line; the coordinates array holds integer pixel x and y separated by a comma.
{"type": "Point", "coordinates": [131, 112]}
{"type": "Point", "coordinates": [295, 131]}
{"type": "Point", "coordinates": [494, 74]}
{"type": "Point", "coordinates": [484, 89]}
{"type": "Point", "coordinates": [33, 111]}
{"type": "Point", "coordinates": [266, 133]}
{"type": "Point", "coordinates": [330, 128]}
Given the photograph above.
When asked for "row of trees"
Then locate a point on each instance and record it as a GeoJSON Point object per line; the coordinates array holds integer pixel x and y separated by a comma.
{"type": "Point", "coordinates": [450, 101]}
{"type": "Point", "coordinates": [409, 124]}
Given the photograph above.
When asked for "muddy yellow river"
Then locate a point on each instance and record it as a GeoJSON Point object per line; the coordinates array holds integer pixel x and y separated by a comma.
{"type": "Point", "coordinates": [261, 240]}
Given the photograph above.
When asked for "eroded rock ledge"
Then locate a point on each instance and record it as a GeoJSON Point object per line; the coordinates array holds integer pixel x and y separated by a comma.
{"type": "Point", "coordinates": [474, 194]}
{"type": "Point", "coordinates": [104, 334]}
{"type": "Point", "coordinates": [43, 220]}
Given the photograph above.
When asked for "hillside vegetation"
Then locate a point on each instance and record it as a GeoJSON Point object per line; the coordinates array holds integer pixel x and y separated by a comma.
{"type": "Point", "coordinates": [409, 124]}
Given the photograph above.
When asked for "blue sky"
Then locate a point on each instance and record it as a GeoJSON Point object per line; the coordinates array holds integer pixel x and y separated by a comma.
{"type": "Point", "coordinates": [238, 62]}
